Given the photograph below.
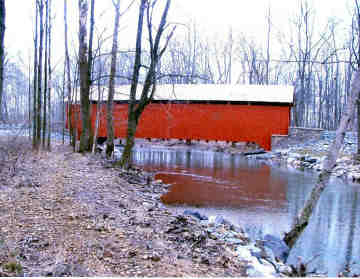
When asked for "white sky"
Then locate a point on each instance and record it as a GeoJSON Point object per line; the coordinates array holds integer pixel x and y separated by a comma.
{"type": "Point", "coordinates": [214, 18]}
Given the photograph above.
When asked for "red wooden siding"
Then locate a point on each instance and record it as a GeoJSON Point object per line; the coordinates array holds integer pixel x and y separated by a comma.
{"type": "Point", "coordinates": [223, 122]}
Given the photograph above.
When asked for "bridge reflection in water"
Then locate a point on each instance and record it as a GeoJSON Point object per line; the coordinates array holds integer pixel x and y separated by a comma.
{"type": "Point", "coordinates": [246, 192]}
{"type": "Point", "coordinates": [264, 199]}
{"type": "Point", "coordinates": [235, 187]}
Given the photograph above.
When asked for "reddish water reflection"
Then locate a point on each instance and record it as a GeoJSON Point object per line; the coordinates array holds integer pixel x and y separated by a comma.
{"type": "Point", "coordinates": [230, 187]}
{"type": "Point", "coordinates": [263, 200]}
{"type": "Point", "coordinates": [215, 179]}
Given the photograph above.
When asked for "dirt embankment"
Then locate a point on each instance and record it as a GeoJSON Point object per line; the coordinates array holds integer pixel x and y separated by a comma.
{"type": "Point", "coordinates": [64, 213]}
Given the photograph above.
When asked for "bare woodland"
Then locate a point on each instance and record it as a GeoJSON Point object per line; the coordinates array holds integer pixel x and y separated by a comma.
{"type": "Point", "coordinates": [322, 65]}
{"type": "Point", "coordinates": [318, 64]}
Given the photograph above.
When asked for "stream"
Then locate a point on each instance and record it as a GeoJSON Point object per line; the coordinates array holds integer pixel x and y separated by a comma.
{"type": "Point", "coordinates": [262, 199]}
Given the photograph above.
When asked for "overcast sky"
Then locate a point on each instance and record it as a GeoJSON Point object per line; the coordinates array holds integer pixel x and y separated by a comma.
{"type": "Point", "coordinates": [214, 18]}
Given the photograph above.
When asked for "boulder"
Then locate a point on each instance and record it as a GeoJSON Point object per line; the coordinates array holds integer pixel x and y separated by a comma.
{"type": "Point", "coordinates": [63, 269]}
{"type": "Point", "coordinates": [310, 160]}
{"type": "Point", "coordinates": [195, 214]}
{"type": "Point", "coordinates": [218, 220]}
{"type": "Point", "coordinates": [278, 247]}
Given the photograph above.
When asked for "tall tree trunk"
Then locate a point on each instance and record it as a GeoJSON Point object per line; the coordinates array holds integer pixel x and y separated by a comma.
{"type": "Point", "coordinates": [91, 36]}
{"type": "Point", "coordinates": [63, 112]}
{"type": "Point", "coordinates": [68, 83]}
{"type": "Point", "coordinates": [98, 117]}
{"type": "Point", "coordinates": [2, 52]}
{"type": "Point", "coordinates": [84, 78]}
{"type": "Point", "coordinates": [85, 61]}
{"type": "Point", "coordinates": [75, 108]}
{"type": "Point", "coordinates": [130, 137]}
{"type": "Point", "coordinates": [357, 15]}
{"type": "Point", "coordinates": [90, 65]}
{"type": "Point", "coordinates": [29, 99]}
{"type": "Point", "coordinates": [125, 161]}
{"type": "Point", "coordinates": [148, 90]}
{"type": "Point", "coordinates": [50, 80]}
{"type": "Point", "coordinates": [39, 85]}
{"type": "Point", "coordinates": [110, 128]}
{"type": "Point", "coordinates": [45, 74]}
{"type": "Point", "coordinates": [303, 219]}
{"type": "Point", "coordinates": [35, 78]}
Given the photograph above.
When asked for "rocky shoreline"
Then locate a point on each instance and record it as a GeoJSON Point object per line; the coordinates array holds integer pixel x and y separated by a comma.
{"type": "Point", "coordinates": [87, 218]}
{"type": "Point", "coordinates": [310, 155]}
{"type": "Point", "coordinates": [263, 257]}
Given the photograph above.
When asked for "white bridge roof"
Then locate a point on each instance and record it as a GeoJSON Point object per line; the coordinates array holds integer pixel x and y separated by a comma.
{"type": "Point", "coordinates": [208, 92]}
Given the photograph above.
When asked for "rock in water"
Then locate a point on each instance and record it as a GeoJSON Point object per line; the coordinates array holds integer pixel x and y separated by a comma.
{"type": "Point", "coordinates": [278, 246]}
{"type": "Point", "coordinates": [195, 214]}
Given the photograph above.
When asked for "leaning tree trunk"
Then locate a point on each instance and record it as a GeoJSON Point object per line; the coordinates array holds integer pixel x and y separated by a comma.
{"type": "Point", "coordinates": [110, 126]}
{"type": "Point", "coordinates": [2, 56]}
{"type": "Point", "coordinates": [303, 219]}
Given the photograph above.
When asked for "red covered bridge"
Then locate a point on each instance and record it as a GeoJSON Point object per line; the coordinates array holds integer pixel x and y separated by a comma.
{"type": "Point", "coordinates": [233, 113]}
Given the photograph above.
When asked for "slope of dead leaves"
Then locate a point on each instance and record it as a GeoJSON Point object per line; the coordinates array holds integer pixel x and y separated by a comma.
{"type": "Point", "coordinates": [67, 214]}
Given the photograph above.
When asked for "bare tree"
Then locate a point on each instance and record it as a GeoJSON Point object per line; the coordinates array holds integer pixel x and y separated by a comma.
{"type": "Point", "coordinates": [68, 80]}
{"type": "Point", "coordinates": [136, 107]}
{"type": "Point", "coordinates": [223, 59]}
{"type": "Point", "coordinates": [110, 128]}
{"type": "Point", "coordinates": [63, 114]}
{"type": "Point", "coordinates": [187, 61]}
{"type": "Point", "coordinates": [44, 119]}
{"type": "Point", "coordinates": [355, 47]}
{"type": "Point", "coordinates": [2, 53]}
{"type": "Point", "coordinates": [85, 61]}
{"type": "Point", "coordinates": [268, 45]}
{"type": "Point", "coordinates": [39, 76]}
{"type": "Point", "coordinates": [35, 77]}
{"type": "Point", "coordinates": [330, 161]}
{"type": "Point", "coordinates": [29, 98]}
{"type": "Point", "coordinates": [48, 146]}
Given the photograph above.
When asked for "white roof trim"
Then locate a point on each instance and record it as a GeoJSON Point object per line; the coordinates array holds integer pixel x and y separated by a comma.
{"type": "Point", "coordinates": [208, 92]}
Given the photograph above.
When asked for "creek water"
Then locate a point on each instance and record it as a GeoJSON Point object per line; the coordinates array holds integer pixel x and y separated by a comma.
{"type": "Point", "coordinates": [263, 199]}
